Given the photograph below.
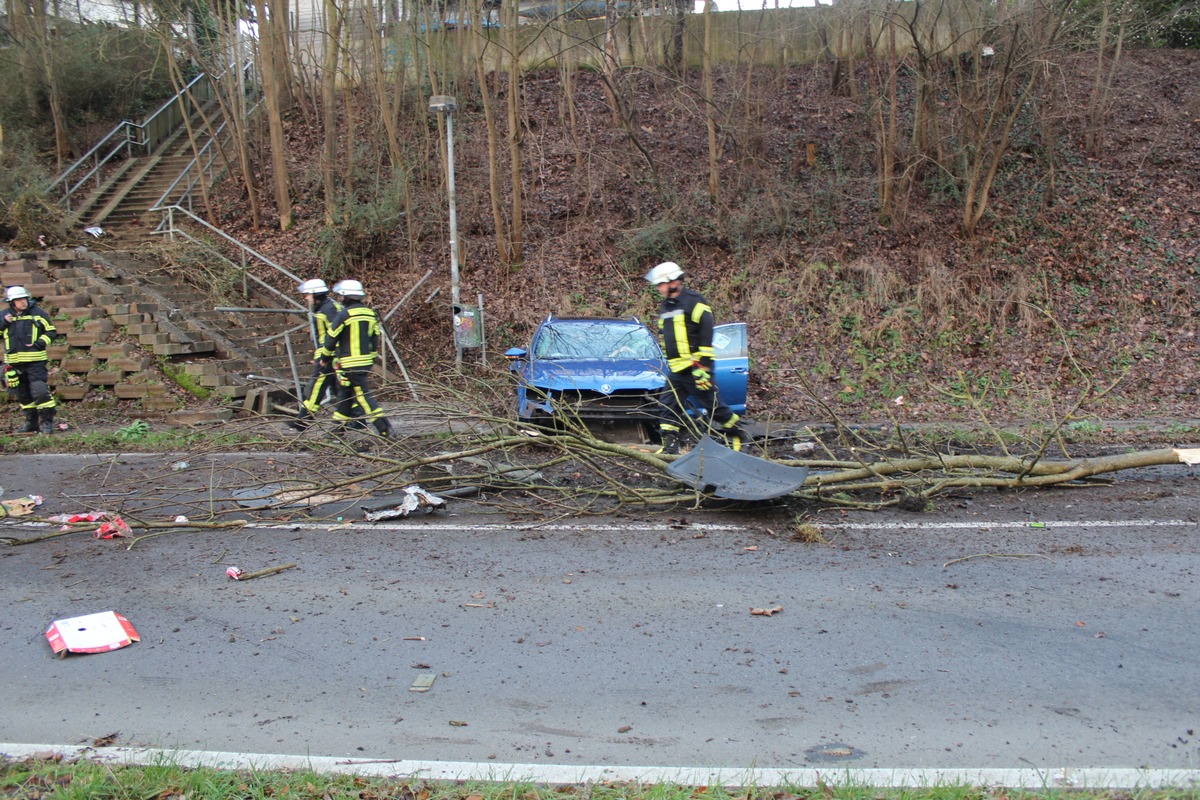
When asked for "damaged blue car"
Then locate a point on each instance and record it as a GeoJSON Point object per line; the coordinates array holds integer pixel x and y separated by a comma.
{"type": "Point", "coordinates": [611, 370]}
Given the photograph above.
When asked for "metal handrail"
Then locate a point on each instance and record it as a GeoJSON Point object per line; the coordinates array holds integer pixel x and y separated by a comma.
{"type": "Point", "coordinates": [207, 154]}
{"type": "Point", "coordinates": [126, 130]}
{"type": "Point", "coordinates": [168, 228]}
{"type": "Point", "coordinates": [147, 135]}
{"type": "Point", "coordinates": [159, 126]}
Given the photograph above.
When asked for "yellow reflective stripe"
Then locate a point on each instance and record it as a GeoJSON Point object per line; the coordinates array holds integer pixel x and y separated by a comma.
{"type": "Point", "coordinates": [699, 311]}
{"type": "Point", "coordinates": [357, 328]}
{"type": "Point", "coordinates": [682, 345]}
{"type": "Point", "coordinates": [356, 340]}
{"type": "Point", "coordinates": [322, 326]}
{"type": "Point", "coordinates": [26, 356]}
{"type": "Point", "coordinates": [706, 352]}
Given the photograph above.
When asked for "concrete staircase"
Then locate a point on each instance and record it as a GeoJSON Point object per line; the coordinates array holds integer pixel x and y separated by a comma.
{"type": "Point", "coordinates": [121, 204]}
{"type": "Point", "coordinates": [129, 333]}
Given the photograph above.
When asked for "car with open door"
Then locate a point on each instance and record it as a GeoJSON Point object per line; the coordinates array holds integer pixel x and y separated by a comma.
{"type": "Point", "coordinates": [598, 369]}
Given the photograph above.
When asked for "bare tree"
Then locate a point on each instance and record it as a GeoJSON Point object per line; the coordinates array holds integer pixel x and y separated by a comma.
{"type": "Point", "coordinates": [274, 69]}
{"type": "Point", "coordinates": [329, 73]}
{"type": "Point", "coordinates": [674, 55]}
{"type": "Point", "coordinates": [994, 100]}
{"type": "Point", "coordinates": [516, 131]}
{"type": "Point", "coordinates": [1109, 45]}
{"type": "Point", "coordinates": [710, 109]}
{"type": "Point", "coordinates": [499, 222]}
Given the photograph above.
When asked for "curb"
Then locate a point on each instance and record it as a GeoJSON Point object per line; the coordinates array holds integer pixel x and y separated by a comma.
{"type": "Point", "coordinates": [556, 774]}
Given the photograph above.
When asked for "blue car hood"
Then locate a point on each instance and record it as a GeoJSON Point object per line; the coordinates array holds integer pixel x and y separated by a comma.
{"type": "Point", "coordinates": [606, 375]}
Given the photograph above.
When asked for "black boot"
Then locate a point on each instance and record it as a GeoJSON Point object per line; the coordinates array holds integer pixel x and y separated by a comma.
{"type": "Point", "coordinates": [670, 444]}
{"type": "Point", "coordinates": [31, 421]}
{"type": "Point", "coordinates": [384, 426]}
{"type": "Point", "coordinates": [47, 423]}
{"type": "Point", "coordinates": [302, 420]}
{"type": "Point", "coordinates": [735, 437]}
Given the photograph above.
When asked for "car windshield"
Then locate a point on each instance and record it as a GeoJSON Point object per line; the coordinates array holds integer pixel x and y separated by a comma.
{"type": "Point", "coordinates": [581, 339]}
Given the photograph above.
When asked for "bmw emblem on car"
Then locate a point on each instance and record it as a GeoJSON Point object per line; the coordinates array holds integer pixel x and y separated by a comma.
{"type": "Point", "coordinates": [606, 388]}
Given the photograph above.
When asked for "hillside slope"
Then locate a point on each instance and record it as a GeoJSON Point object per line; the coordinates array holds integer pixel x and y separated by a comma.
{"type": "Point", "coordinates": [1071, 282]}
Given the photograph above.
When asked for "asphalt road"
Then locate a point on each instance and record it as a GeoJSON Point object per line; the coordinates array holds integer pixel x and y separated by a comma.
{"type": "Point", "coordinates": [968, 637]}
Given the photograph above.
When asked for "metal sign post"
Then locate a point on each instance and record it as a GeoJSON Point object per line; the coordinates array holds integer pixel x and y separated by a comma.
{"type": "Point", "coordinates": [445, 105]}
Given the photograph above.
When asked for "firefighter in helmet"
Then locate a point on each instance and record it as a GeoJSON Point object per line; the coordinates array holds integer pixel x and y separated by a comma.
{"type": "Point", "coordinates": [685, 323]}
{"type": "Point", "coordinates": [28, 331]}
{"type": "Point", "coordinates": [322, 307]}
{"type": "Point", "coordinates": [353, 343]}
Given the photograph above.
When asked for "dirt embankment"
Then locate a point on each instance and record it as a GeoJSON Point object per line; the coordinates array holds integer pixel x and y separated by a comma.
{"type": "Point", "coordinates": [1084, 271]}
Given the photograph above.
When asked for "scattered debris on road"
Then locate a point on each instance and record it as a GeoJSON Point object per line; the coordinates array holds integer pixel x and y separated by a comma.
{"type": "Point", "coordinates": [19, 506]}
{"type": "Point", "coordinates": [415, 499]}
{"type": "Point", "coordinates": [766, 612]}
{"type": "Point", "coordinates": [238, 575]}
{"type": "Point", "coordinates": [91, 633]}
{"type": "Point", "coordinates": [423, 682]}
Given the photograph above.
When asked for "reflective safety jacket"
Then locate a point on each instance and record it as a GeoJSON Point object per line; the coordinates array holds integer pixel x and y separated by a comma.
{"type": "Point", "coordinates": [353, 337]}
{"type": "Point", "coordinates": [28, 335]}
{"type": "Point", "coordinates": [325, 308]}
{"type": "Point", "coordinates": [686, 325]}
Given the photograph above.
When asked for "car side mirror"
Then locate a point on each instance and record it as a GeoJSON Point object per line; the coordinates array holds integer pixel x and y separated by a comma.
{"type": "Point", "coordinates": [514, 356]}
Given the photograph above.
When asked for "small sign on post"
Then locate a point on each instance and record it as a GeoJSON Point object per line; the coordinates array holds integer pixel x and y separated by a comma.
{"type": "Point", "coordinates": [468, 333]}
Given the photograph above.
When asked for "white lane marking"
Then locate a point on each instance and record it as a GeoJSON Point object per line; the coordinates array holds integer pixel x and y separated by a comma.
{"type": "Point", "coordinates": [1024, 523]}
{"type": "Point", "coordinates": [835, 775]}
{"type": "Point", "coordinates": [420, 524]}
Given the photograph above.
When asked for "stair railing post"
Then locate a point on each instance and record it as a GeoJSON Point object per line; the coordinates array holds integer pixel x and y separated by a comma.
{"type": "Point", "coordinates": [287, 343]}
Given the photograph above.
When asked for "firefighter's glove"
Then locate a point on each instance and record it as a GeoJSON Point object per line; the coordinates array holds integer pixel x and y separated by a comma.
{"type": "Point", "coordinates": [12, 378]}
{"type": "Point", "coordinates": [703, 379]}
{"type": "Point", "coordinates": [342, 378]}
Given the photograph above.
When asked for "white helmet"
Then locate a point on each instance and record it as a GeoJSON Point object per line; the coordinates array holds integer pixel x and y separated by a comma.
{"type": "Point", "coordinates": [349, 288]}
{"type": "Point", "coordinates": [16, 293]}
{"type": "Point", "coordinates": [664, 273]}
{"type": "Point", "coordinates": [314, 286]}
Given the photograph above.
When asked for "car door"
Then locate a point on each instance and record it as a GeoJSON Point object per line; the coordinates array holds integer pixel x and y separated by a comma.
{"type": "Point", "coordinates": [731, 364]}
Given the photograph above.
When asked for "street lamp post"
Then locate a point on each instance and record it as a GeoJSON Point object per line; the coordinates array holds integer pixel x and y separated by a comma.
{"type": "Point", "coordinates": [445, 105]}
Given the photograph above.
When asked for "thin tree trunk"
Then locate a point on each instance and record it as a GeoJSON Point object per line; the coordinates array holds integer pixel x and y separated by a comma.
{"type": "Point", "coordinates": [503, 253]}
{"type": "Point", "coordinates": [178, 81]}
{"type": "Point", "coordinates": [675, 61]}
{"type": "Point", "coordinates": [710, 110]}
{"type": "Point", "coordinates": [333, 38]}
{"type": "Point", "coordinates": [271, 80]}
{"type": "Point", "coordinates": [611, 63]}
{"type": "Point", "coordinates": [62, 138]}
{"type": "Point", "coordinates": [516, 130]}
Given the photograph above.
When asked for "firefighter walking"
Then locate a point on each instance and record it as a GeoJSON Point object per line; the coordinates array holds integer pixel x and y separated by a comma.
{"type": "Point", "coordinates": [685, 323]}
{"type": "Point", "coordinates": [353, 343]}
{"type": "Point", "coordinates": [28, 331]}
{"type": "Point", "coordinates": [323, 307]}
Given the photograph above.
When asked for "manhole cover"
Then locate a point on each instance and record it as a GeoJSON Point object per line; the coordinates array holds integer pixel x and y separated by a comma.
{"type": "Point", "coordinates": [834, 751]}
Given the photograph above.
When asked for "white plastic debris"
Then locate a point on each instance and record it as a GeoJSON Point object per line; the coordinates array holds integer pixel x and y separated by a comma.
{"type": "Point", "coordinates": [415, 498]}
{"type": "Point", "coordinates": [91, 633]}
